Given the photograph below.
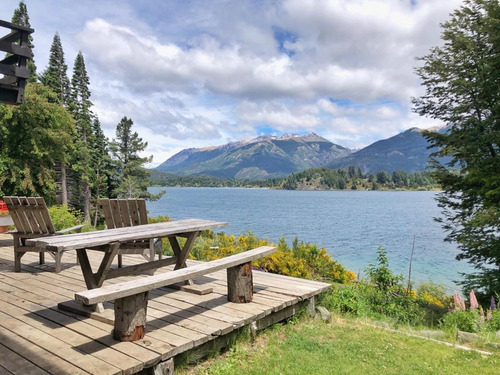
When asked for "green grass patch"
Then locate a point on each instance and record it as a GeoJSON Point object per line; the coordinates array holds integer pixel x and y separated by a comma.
{"type": "Point", "coordinates": [344, 347]}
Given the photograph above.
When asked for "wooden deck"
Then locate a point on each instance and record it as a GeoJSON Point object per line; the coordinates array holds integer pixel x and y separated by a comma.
{"type": "Point", "coordinates": [38, 338]}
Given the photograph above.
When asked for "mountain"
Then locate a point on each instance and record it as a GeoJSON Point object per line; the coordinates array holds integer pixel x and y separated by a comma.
{"type": "Point", "coordinates": [405, 151]}
{"type": "Point", "coordinates": [260, 158]}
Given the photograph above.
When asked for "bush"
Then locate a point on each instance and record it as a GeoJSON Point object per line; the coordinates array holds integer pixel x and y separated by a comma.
{"type": "Point", "coordinates": [493, 323]}
{"type": "Point", "coordinates": [380, 274]}
{"type": "Point", "coordinates": [64, 217]}
{"type": "Point", "coordinates": [463, 320]}
{"type": "Point", "coordinates": [430, 293]}
{"type": "Point", "coordinates": [302, 260]}
{"type": "Point", "coordinates": [350, 299]}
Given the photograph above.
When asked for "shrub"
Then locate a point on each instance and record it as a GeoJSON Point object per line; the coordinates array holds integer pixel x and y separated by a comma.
{"type": "Point", "coordinates": [493, 323]}
{"type": "Point", "coordinates": [64, 217]}
{"type": "Point", "coordinates": [158, 219]}
{"type": "Point", "coordinates": [301, 260]}
{"type": "Point", "coordinates": [429, 293]}
{"type": "Point", "coordinates": [351, 299]}
{"type": "Point", "coordinates": [380, 274]}
{"type": "Point", "coordinates": [463, 320]}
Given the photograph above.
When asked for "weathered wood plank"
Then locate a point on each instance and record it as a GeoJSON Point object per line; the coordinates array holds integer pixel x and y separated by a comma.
{"type": "Point", "coordinates": [38, 355]}
{"type": "Point", "coordinates": [141, 232]}
{"type": "Point", "coordinates": [69, 336]}
{"type": "Point", "coordinates": [56, 346]}
{"type": "Point", "coordinates": [13, 363]}
{"type": "Point", "coordinates": [128, 288]}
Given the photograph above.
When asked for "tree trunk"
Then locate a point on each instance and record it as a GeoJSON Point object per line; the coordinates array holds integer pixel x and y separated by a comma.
{"type": "Point", "coordinates": [64, 185]}
{"type": "Point", "coordinates": [86, 201]}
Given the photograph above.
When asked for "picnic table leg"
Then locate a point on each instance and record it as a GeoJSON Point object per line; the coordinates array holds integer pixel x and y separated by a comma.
{"type": "Point", "coordinates": [95, 280]}
{"type": "Point", "coordinates": [182, 254]}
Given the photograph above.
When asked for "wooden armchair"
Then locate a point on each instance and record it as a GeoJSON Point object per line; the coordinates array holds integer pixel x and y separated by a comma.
{"type": "Point", "coordinates": [120, 213]}
{"type": "Point", "coordinates": [31, 219]}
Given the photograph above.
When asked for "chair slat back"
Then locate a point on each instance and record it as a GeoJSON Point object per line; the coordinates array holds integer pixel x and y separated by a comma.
{"type": "Point", "coordinates": [30, 215]}
{"type": "Point", "coordinates": [120, 213]}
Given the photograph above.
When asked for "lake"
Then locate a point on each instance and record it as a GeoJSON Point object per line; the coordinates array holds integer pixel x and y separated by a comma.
{"type": "Point", "coordinates": [349, 224]}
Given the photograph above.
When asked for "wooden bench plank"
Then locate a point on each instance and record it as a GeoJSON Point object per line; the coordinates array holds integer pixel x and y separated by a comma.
{"type": "Point", "coordinates": [129, 288]}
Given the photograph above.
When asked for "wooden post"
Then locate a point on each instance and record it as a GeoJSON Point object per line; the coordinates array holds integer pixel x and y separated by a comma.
{"type": "Point", "coordinates": [240, 283]}
{"type": "Point", "coordinates": [130, 317]}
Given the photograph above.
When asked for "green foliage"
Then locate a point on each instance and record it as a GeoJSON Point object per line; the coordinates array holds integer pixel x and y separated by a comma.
{"type": "Point", "coordinates": [380, 274]}
{"type": "Point", "coordinates": [64, 217]}
{"type": "Point", "coordinates": [461, 79]}
{"type": "Point", "coordinates": [33, 136]}
{"type": "Point", "coordinates": [79, 105]}
{"type": "Point", "coordinates": [432, 294]}
{"type": "Point", "coordinates": [132, 176]}
{"type": "Point", "coordinates": [55, 76]}
{"type": "Point", "coordinates": [384, 296]}
{"type": "Point", "coordinates": [349, 299]}
{"type": "Point", "coordinates": [158, 219]}
{"type": "Point", "coordinates": [463, 320]}
{"type": "Point", "coordinates": [352, 178]}
{"type": "Point", "coordinates": [493, 323]}
{"type": "Point", "coordinates": [302, 260]}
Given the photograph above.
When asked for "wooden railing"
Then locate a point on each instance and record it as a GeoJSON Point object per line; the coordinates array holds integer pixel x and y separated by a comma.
{"type": "Point", "coordinates": [14, 66]}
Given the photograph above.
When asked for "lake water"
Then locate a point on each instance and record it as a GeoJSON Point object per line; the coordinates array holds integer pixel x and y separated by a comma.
{"type": "Point", "coordinates": [349, 224]}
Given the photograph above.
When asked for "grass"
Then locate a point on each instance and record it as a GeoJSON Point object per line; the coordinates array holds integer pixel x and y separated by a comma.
{"type": "Point", "coordinates": [345, 346]}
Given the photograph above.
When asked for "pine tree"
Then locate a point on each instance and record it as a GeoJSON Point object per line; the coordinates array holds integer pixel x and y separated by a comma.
{"type": "Point", "coordinates": [461, 79]}
{"type": "Point", "coordinates": [22, 18]}
{"type": "Point", "coordinates": [103, 176]}
{"type": "Point", "coordinates": [79, 106]}
{"type": "Point", "coordinates": [55, 76]}
{"type": "Point", "coordinates": [133, 177]}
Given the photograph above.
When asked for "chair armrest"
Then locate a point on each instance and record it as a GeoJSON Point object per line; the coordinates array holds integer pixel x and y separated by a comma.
{"type": "Point", "coordinates": [76, 228]}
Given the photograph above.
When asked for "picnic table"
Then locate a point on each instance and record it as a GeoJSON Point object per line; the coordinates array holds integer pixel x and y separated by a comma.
{"type": "Point", "coordinates": [109, 240]}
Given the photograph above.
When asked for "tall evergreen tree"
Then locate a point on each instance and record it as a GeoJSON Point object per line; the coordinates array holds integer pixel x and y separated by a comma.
{"type": "Point", "coordinates": [462, 81]}
{"type": "Point", "coordinates": [79, 106]}
{"type": "Point", "coordinates": [102, 181]}
{"type": "Point", "coordinates": [133, 177]}
{"type": "Point", "coordinates": [22, 18]}
{"type": "Point", "coordinates": [55, 76]}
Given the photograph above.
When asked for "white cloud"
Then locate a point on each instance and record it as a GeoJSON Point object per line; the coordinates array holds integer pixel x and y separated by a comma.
{"type": "Point", "coordinates": [197, 73]}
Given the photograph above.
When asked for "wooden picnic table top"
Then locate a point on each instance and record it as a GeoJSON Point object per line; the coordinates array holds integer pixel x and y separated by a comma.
{"type": "Point", "coordinates": [139, 232]}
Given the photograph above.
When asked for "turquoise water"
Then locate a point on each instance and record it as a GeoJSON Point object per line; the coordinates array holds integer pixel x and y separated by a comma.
{"type": "Point", "coordinates": [349, 224]}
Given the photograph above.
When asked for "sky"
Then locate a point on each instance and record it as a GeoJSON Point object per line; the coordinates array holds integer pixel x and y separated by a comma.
{"type": "Point", "coordinates": [204, 73]}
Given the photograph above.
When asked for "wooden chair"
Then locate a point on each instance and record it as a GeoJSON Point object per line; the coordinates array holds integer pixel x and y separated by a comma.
{"type": "Point", "coordinates": [31, 219]}
{"type": "Point", "coordinates": [120, 213]}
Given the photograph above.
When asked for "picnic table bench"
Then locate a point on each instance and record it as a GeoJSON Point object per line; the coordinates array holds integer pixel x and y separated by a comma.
{"type": "Point", "coordinates": [131, 297]}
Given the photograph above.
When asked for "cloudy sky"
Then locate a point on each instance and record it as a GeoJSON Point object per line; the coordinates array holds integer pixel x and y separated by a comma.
{"type": "Point", "coordinates": [201, 73]}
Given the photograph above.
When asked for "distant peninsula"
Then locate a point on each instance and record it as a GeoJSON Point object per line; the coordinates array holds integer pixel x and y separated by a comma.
{"type": "Point", "coordinates": [350, 178]}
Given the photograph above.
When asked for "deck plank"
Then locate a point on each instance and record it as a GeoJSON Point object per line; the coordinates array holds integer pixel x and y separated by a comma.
{"type": "Point", "coordinates": [13, 363]}
{"type": "Point", "coordinates": [56, 346]}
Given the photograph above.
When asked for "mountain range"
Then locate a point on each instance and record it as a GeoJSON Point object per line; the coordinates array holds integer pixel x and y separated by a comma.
{"type": "Point", "coordinates": [271, 156]}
